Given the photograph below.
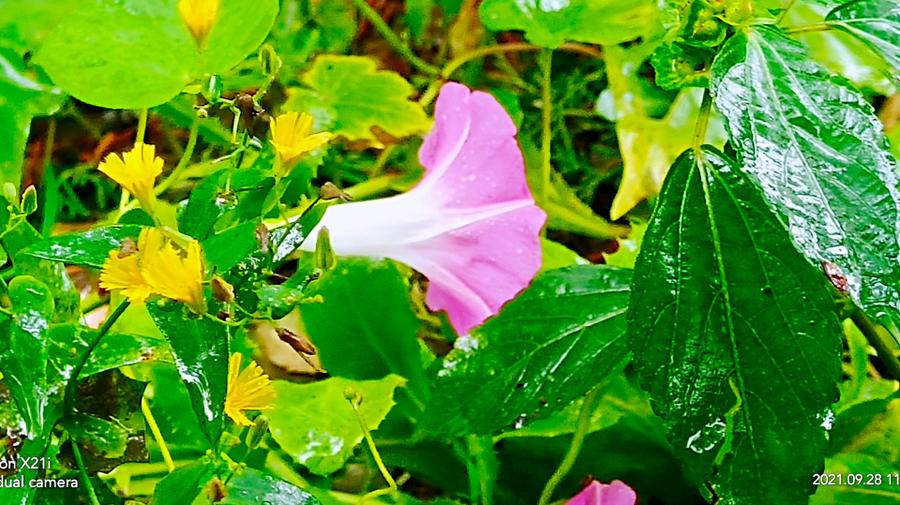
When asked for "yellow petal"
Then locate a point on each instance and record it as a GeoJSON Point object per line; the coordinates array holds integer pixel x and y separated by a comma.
{"type": "Point", "coordinates": [170, 270]}
{"type": "Point", "coordinates": [124, 274]}
{"type": "Point", "coordinates": [291, 135]}
{"type": "Point", "coordinates": [136, 171]}
{"type": "Point", "coordinates": [199, 16]}
{"type": "Point", "coordinates": [249, 389]}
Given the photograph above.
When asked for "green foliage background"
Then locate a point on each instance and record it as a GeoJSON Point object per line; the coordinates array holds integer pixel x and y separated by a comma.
{"type": "Point", "coordinates": [716, 321]}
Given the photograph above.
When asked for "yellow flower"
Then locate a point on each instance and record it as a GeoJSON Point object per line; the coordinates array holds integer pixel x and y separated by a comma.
{"type": "Point", "coordinates": [136, 171]}
{"type": "Point", "coordinates": [199, 17]}
{"type": "Point", "coordinates": [249, 389]}
{"type": "Point", "coordinates": [124, 273]}
{"type": "Point", "coordinates": [160, 266]}
{"type": "Point", "coordinates": [171, 270]}
{"type": "Point", "coordinates": [292, 135]}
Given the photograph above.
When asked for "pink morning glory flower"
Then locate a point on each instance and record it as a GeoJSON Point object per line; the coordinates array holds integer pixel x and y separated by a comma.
{"type": "Point", "coordinates": [470, 226]}
{"type": "Point", "coordinates": [596, 493]}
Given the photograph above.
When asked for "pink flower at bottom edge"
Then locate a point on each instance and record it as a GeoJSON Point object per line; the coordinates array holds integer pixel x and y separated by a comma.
{"type": "Point", "coordinates": [597, 493]}
{"type": "Point", "coordinates": [470, 226]}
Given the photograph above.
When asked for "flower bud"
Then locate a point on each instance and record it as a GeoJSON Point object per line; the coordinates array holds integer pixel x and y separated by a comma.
{"type": "Point", "coordinates": [257, 432]}
{"type": "Point", "coordinates": [269, 61]}
{"type": "Point", "coordinates": [297, 342]}
{"type": "Point", "coordinates": [329, 191]}
{"type": "Point", "coordinates": [29, 200]}
{"type": "Point", "coordinates": [212, 88]}
{"type": "Point", "coordinates": [324, 254]}
{"type": "Point", "coordinates": [353, 396]}
{"type": "Point", "coordinates": [222, 290]}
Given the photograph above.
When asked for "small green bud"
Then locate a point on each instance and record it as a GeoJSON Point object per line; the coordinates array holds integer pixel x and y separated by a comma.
{"type": "Point", "coordinates": [29, 200]}
{"type": "Point", "coordinates": [324, 254]}
{"type": "Point", "coordinates": [9, 192]}
{"type": "Point", "coordinates": [212, 88]}
{"type": "Point", "coordinates": [269, 61]}
{"type": "Point", "coordinates": [353, 396]}
{"type": "Point", "coordinates": [257, 432]}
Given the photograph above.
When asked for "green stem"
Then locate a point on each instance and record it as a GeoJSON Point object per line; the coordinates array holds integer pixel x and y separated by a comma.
{"type": "Point", "coordinates": [392, 484]}
{"type": "Point", "coordinates": [814, 27]}
{"type": "Point", "coordinates": [479, 450]}
{"type": "Point", "coordinates": [546, 61]}
{"type": "Point", "coordinates": [84, 475]}
{"type": "Point", "coordinates": [142, 126]}
{"type": "Point", "coordinates": [157, 434]}
{"type": "Point", "coordinates": [581, 430]}
{"type": "Point", "coordinates": [374, 186]}
{"type": "Point", "coordinates": [184, 161]}
{"type": "Point", "coordinates": [784, 11]}
{"type": "Point", "coordinates": [50, 181]}
{"type": "Point", "coordinates": [879, 339]}
{"type": "Point", "coordinates": [454, 64]}
{"type": "Point", "coordinates": [72, 385]}
{"type": "Point", "coordinates": [702, 121]}
{"type": "Point", "coordinates": [391, 38]}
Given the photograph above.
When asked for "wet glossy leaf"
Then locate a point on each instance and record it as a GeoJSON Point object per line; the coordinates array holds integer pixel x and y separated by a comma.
{"type": "Point", "coordinates": [550, 24]}
{"type": "Point", "coordinates": [146, 45]}
{"type": "Point", "coordinates": [115, 349]}
{"type": "Point", "coordinates": [23, 95]}
{"type": "Point", "coordinates": [87, 248]}
{"type": "Point", "coordinates": [817, 149]}
{"type": "Point", "coordinates": [99, 435]}
{"type": "Point", "coordinates": [24, 354]}
{"type": "Point", "coordinates": [365, 327]}
{"type": "Point", "coordinates": [228, 248]}
{"type": "Point", "coordinates": [315, 424]}
{"type": "Point", "coordinates": [734, 336]}
{"type": "Point", "coordinates": [839, 51]}
{"type": "Point", "coordinates": [252, 487]}
{"type": "Point", "coordinates": [876, 23]}
{"type": "Point", "coordinates": [349, 96]}
{"type": "Point", "coordinates": [546, 348]}
{"type": "Point", "coordinates": [200, 348]}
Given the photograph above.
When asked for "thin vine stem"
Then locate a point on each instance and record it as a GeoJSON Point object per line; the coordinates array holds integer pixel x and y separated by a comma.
{"type": "Point", "coordinates": [581, 429]}
{"type": "Point", "coordinates": [878, 339]}
{"type": "Point", "coordinates": [184, 161]}
{"type": "Point", "coordinates": [545, 63]}
{"type": "Point", "coordinates": [157, 435]}
{"type": "Point", "coordinates": [79, 462]}
{"type": "Point", "coordinates": [814, 27]}
{"type": "Point", "coordinates": [393, 40]}
{"type": "Point", "coordinates": [370, 442]}
{"type": "Point", "coordinates": [72, 385]}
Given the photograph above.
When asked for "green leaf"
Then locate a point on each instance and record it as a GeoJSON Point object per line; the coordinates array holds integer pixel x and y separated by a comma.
{"type": "Point", "coordinates": [550, 24]}
{"type": "Point", "coordinates": [316, 425]}
{"type": "Point", "coordinates": [252, 487]}
{"type": "Point", "coordinates": [85, 248]}
{"type": "Point", "coordinates": [23, 95]}
{"type": "Point", "coordinates": [648, 146]}
{"type": "Point", "coordinates": [184, 484]}
{"type": "Point", "coordinates": [101, 436]}
{"type": "Point", "coordinates": [555, 255]}
{"type": "Point", "coordinates": [839, 51]}
{"type": "Point", "coordinates": [349, 96]}
{"type": "Point", "coordinates": [817, 149]}
{"type": "Point", "coordinates": [114, 351]}
{"type": "Point", "coordinates": [228, 248]}
{"type": "Point", "coordinates": [147, 53]}
{"type": "Point", "coordinates": [550, 345]}
{"type": "Point", "coordinates": [200, 347]}
{"type": "Point", "coordinates": [365, 340]}
{"type": "Point", "coordinates": [876, 23]}
{"type": "Point", "coordinates": [734, 336]}
{"type": "Point", "coordinates": [24, 354]}
{"type": "Point", "coordinates": [224, 199]}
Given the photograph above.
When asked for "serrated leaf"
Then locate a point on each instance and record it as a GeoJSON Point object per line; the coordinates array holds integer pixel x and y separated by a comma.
{"type": "Point", "coordinates": [365, 327]}
{"type": "Point", "coordinates": [817, 149]}
{"type": "Point", "coordinates": [139, 53]}
{"type": "Point", "coordinates": [734, 336]}
{"type": "Point", "coordinates": [876, 23]}
{"type": "Point", "coordinates": [349, 96]}
{"type": "Point", "coordinates": [550, 24]}
{"type": "Point", "coordinates": [85, 248]}
{"type": "Point", "coordinates": [200, 348]}
{"type": "Point", "coordinates": [550, 345]}
{"type": "Point", "coordinates": [316, 424]}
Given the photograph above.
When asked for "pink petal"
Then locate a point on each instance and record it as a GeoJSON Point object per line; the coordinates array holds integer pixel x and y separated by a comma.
{"type": "Point", "coordinates": [597, 493]}
{"type": "Point", "coordinates": [471, 225]}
